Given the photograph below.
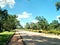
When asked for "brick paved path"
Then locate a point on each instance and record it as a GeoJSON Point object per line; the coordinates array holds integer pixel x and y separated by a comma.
{"type": "Point", "coordinates": [16, 40]}
{"type": "Point", "coordinates": [33, 38]}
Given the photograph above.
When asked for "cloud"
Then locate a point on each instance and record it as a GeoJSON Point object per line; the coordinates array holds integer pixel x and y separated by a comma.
{"type": "Point", "coordinates": [4, 3]}
{"type": "Point", "coordinates": [34, 21]}
{"type": "Point", "coordinates": [58, 17]}
{"type": "Point", "coordinates": [23, 15]}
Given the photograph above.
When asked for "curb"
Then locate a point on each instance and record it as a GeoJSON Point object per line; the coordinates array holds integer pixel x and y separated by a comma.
{"type": "Point", "coordinates": [9, 39]}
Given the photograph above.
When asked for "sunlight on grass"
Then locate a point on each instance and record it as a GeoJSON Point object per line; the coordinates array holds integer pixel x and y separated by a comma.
{"type": "Point", "coordinates": [56, 32]}
{"type": "Point", "coordinates": [6, 32]}
{"type": "Point", "coordinates": [4, 37]}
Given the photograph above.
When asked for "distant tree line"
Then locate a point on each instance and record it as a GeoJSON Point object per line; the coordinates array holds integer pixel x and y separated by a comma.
{"type": "Point", "coordinates": [7, 22]}
{"type": "Point", "coordinates": [43, 24]}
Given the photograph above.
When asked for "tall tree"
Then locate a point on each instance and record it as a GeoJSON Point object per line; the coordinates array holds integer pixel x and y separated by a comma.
{"type": "Point", "coordinates": [27, 26]}
{"type": "Point", "coordinates": [42, 22]}
{"type": "Point", "coordinates": [57, 5]}
{"type": "Point", "coordinates": [0, 19]}
{"type": "Point", "coordinates": [11, 23]}
{"type": "Point", "coordinates": [7, 21]}
{"type": "Point", "coordinates": [33, 26]}
{"type": "Point", "coordinates": [3, 17]}
{"type": "Point", "coordinates": [54, 24]}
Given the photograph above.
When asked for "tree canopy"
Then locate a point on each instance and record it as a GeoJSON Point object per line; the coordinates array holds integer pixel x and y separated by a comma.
{"type": "Point", "coordinates": [43, 24]}
{"type": "Point", "coordinates": [57, 5]}
{"type": "Point", "coordinates": [7, 22]}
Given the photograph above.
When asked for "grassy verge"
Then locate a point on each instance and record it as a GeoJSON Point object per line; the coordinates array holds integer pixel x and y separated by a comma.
{"type": "Point", "coordinates": [56, 32]}
{"type": "Point", "coordinates": [4, 36]}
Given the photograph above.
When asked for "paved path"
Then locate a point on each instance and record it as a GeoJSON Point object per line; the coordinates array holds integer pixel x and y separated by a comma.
{"type": "Point", "coordinates": [32, 38]}
{"type": "Point", "coordinates": [16, 40]}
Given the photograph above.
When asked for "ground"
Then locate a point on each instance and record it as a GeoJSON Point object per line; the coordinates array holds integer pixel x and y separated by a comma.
{"type": "Point", "coordinates": [33, 38]}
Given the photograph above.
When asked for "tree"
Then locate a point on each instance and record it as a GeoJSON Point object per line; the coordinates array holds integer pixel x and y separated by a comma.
{"type": "Point", "coordinates": [33, 26]}
{"type": "Point", "coordinates": [57, 5]}
{"type": "Point", "coordinates": [3, 17]}
{"type": "Point", "coordinates": [54, 24]}
{"type": "Point", "coordinates": [42, 22]}
{"type": "Point", "coordinates": [0, 19]}
{"type": "Point", "coordinates": [7, 21]}
{"type": "Point", "coordinates": [59, 18]}
{"type": "Point", "coordinates": [27, 26]}
{"type": "Point", "coordinates": [11, 23]}
{"type": "Point", "coordinates": [21, 27]}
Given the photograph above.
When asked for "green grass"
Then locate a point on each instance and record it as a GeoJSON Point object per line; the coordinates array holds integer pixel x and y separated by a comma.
{"type": "Point", "coordinates": [56, 32]}
{"type": "Point", "coordinates": [4, 36]}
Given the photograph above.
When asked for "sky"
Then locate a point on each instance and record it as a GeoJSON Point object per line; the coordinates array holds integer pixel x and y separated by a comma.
{"type": "Point", "coordinates": [27, 10]}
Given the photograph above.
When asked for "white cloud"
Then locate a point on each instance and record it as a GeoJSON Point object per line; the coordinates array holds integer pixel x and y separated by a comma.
{"type": "Point", "coordinates": [10, 3]}
{"type": "Point", "coordinates": [23, 15]}
{"type": "Point", "coordinates": [34, 21]}
{"type": "Point", "coordinates": [58, 17]}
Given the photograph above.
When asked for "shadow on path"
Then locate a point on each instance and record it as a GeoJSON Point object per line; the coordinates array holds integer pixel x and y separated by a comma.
{"type": "Point", "coordinates": [16, 40]}
{"type": "Point", "coordinates": [39, 40]}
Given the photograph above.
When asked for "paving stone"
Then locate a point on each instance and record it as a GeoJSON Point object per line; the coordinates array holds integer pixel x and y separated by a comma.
{"type": "Point", "coordinates": [16, 40]}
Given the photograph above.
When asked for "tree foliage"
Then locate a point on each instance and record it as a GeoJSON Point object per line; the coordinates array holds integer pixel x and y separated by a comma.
{"type": "Point", "coordinates": [54, 24]}
{"type": "Point", "coordinates": [43, 24]}
{"type": "Point", "coordinates": [57, 5]}
{"type": "Point", "coordinates": [33, 26]}
{"type": "Point", "coordinates": [7, 21]}
{"type": "Point", "coordinates": [27, 26]}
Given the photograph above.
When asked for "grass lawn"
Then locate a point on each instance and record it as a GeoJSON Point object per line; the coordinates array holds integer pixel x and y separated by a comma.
{"type": "Point", "coordinates": [4, 36]}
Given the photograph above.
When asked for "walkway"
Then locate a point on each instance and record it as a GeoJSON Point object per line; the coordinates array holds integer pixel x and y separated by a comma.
{"type": "Point", "coordinates": [16, 40]}
{"type": "Point", "coordinates": [33, 38]}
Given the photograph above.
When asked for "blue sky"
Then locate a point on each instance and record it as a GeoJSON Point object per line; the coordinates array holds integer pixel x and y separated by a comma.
{"type": "Point", "coordinates": [33, 8]}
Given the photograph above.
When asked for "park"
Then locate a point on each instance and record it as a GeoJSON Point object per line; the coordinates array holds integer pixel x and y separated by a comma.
{"type": "Point", "coordinates": [29, 22]}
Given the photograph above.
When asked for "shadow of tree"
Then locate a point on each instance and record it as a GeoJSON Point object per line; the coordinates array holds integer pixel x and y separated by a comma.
{"type": "Point", "coordinates": [40, 40]}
